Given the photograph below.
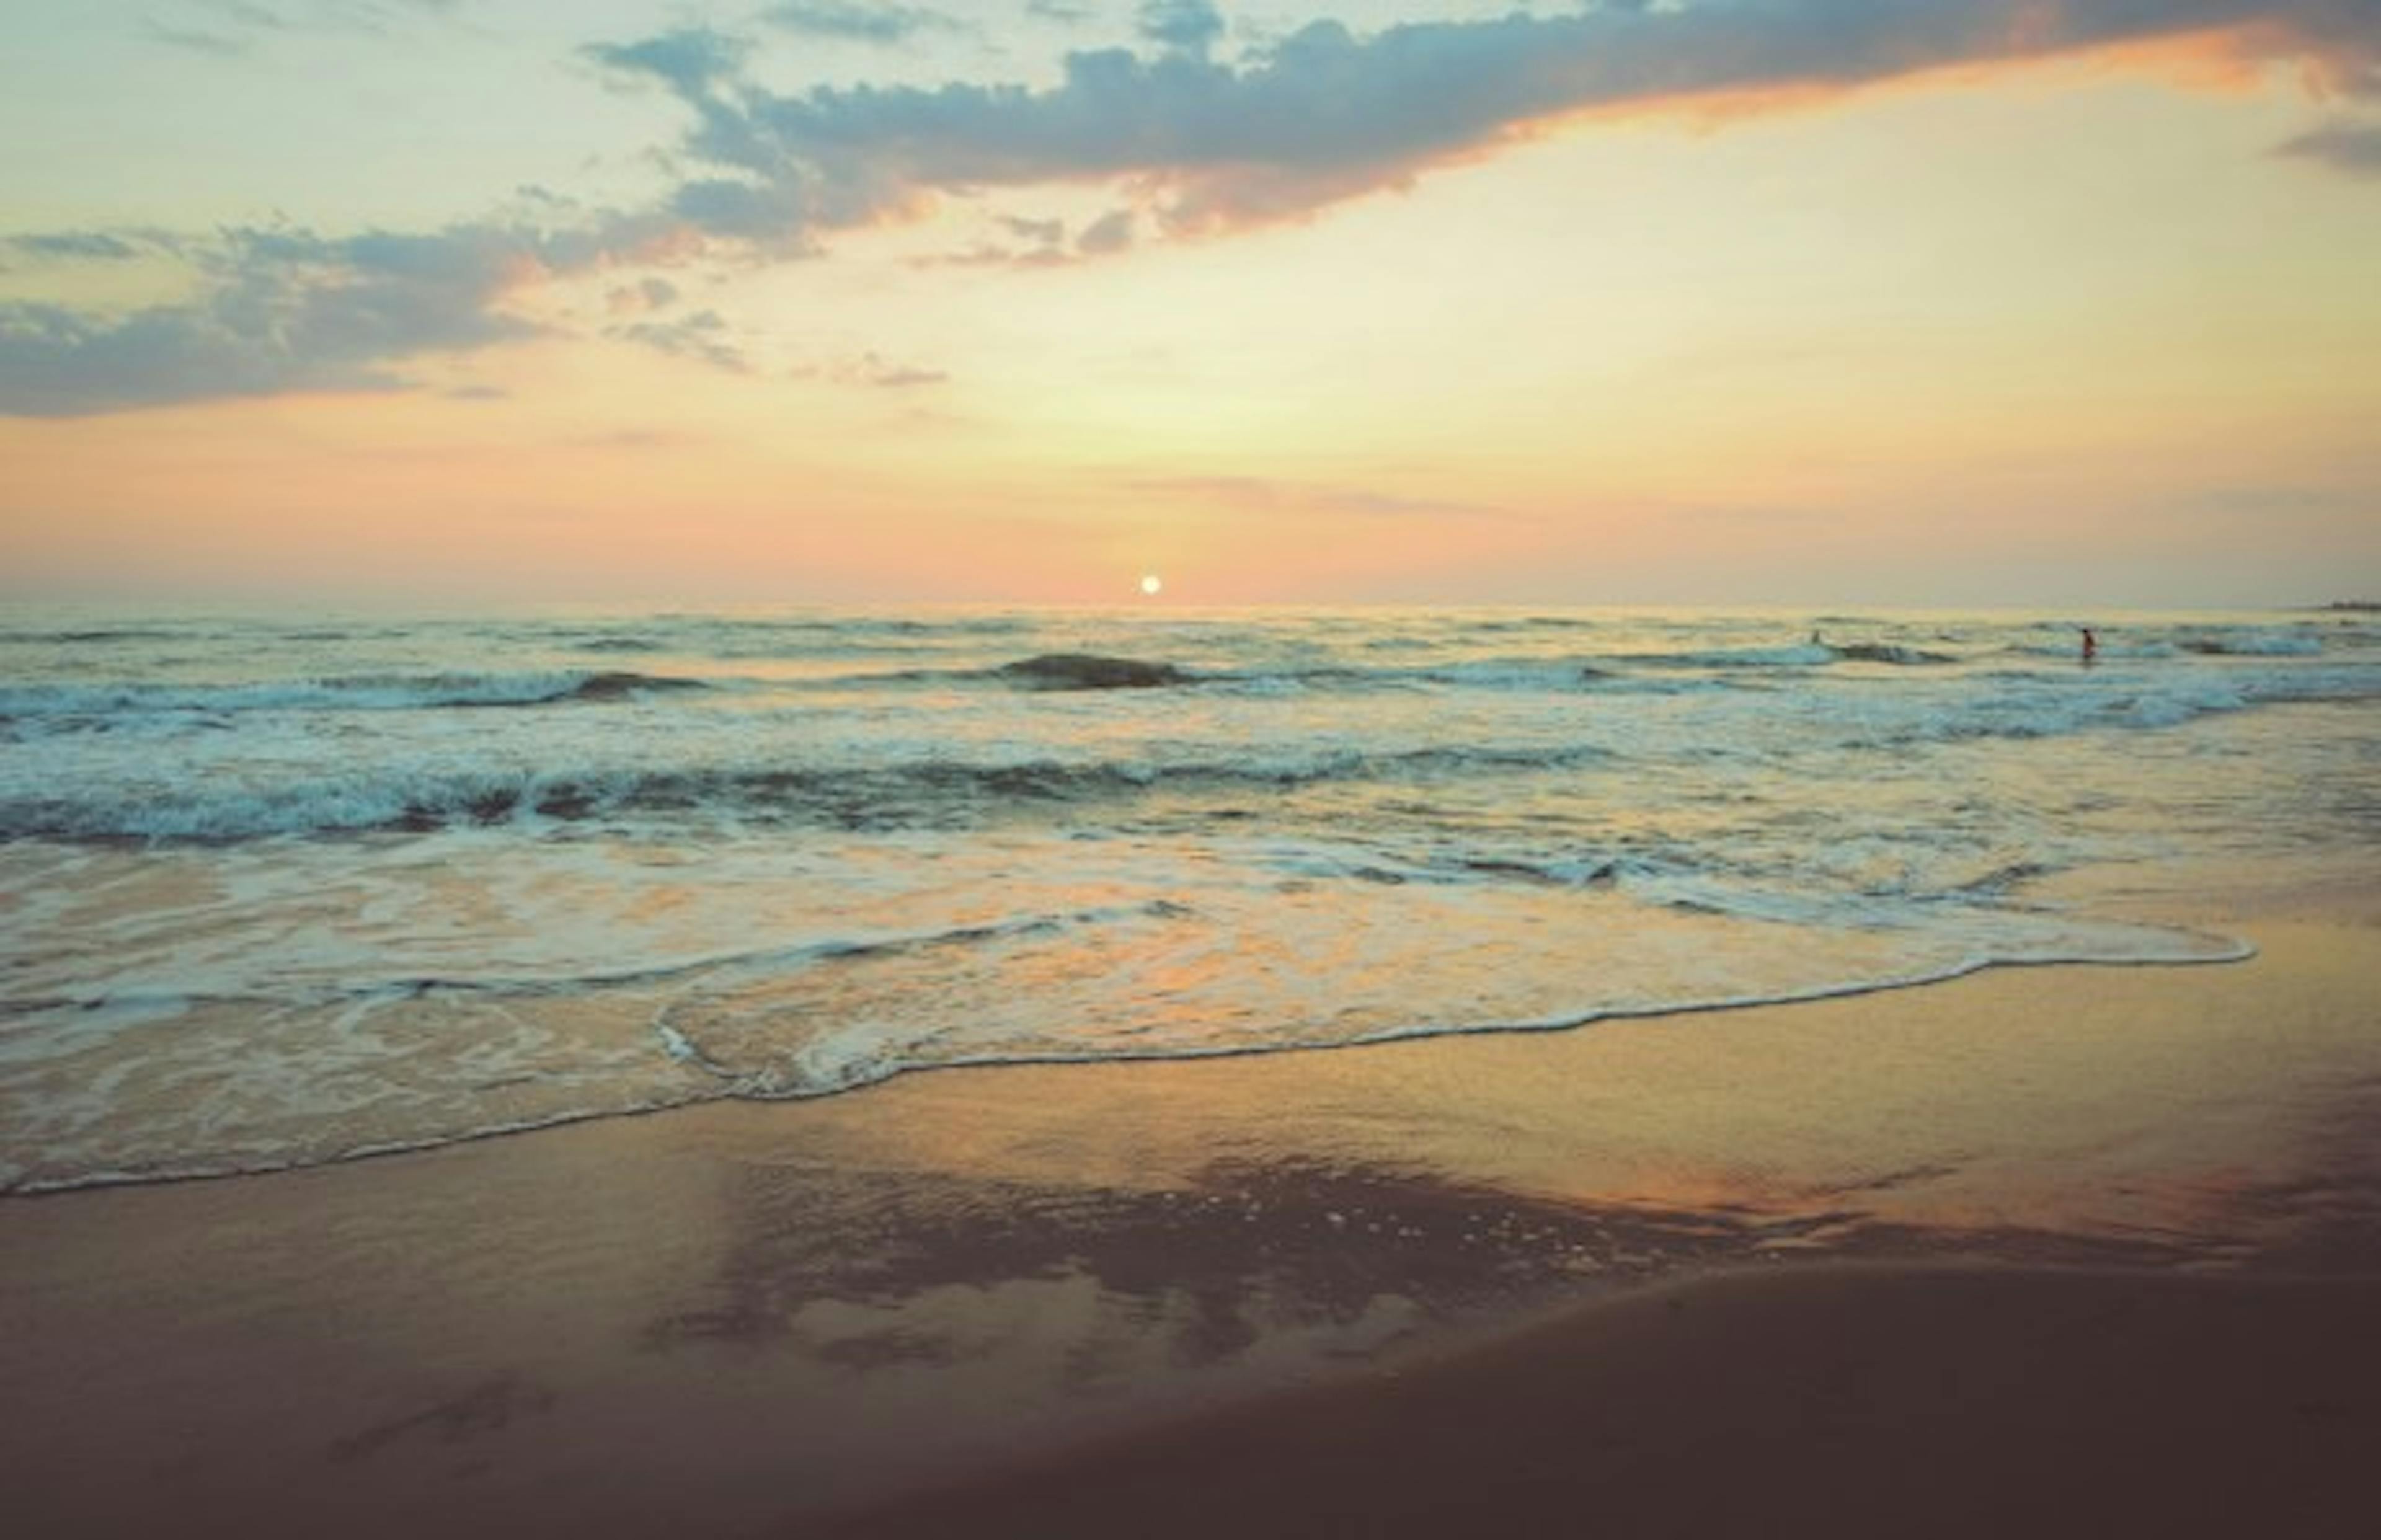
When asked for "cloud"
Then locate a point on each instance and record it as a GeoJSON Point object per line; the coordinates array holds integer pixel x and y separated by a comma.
{"type": "Point", "coordinates": [2352, 148]}
{"type": "Point", "coordinates": [1044, 243]}
{"type": "Point", "coordinates": [235, 29]}
{"type": "Point", "coordinates": [83, 245]}
{"type": "Point", "coordinates": [703, 336]}
{"type": "Point", "coordinates": [1041, 232]}
{"type": "Point", "coordinates": [989, 254]}
{"type": "Point", "coordinates": [1325, 114]}
{"type": "Point", "coordinates": [645, 295]}
{"type": "Point", "coordinates": [902, 379]}
{"type": "Point", "coordinates": [873, 370]}
{"type": "Point", "coordinates": [212, 45]}
{"type": "Point", "coordinates": [248, 14]}
{"type": "Point", "coordinates": [853, 20]}
{"type": "Point", "coordinates": [1190, 26]}
{"type": "Point", "coordinates": [1110, 233]}
{"type": "Point", "coordinates": [283, 308]}
{"type": "Point", "coordinates": [689, 59]}
{"type": "Point", "coordinates": [279, 311]}
{"type": "Point", "coordinates": [56, 363]}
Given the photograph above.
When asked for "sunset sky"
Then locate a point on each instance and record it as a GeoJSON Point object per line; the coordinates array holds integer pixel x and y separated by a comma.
{"type": "Point", "coordinates": [2068, 302]}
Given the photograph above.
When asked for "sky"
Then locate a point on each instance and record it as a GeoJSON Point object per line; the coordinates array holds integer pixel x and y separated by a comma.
{"type": "Point", "coordinates": [1803, 302]}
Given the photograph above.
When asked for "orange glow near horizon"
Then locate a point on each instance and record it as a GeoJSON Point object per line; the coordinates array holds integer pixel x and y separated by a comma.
{"type": "Point", "coordinates": [1980, 331]}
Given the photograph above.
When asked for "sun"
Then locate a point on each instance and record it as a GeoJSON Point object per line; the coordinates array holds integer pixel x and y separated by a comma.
{"type": "Point", "coordinates": [1150, 584]}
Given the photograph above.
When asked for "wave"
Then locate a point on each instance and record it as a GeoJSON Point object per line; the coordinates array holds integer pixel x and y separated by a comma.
{"type": "Point", "coordinates": [1559, 672]}
{"type": "Point", "coordinates": [95, 636]}
{"type": "Point", "coordinates": [1887, 651]}
{"type": "Point", "coordinates": [1814, 654]}
{"type": "Point", "coordinates": [854, 946]}
{"type": "Point", "coordinates": [729, 1036]}
{"type": "Point", "coordinates": [927, 794]}
{"type": "Point", "coordinates": [1096, 671]}
{"type": "Point", "coordinates": [366, 692]}
{"type": "Point", "coordinates": [2255, 645]}
{"type": "Point", "coordinates": [1065, 672]}
{"type": "Point", "coordinates": [617, 685]}
{"type": "Point", "coordinates": [818, 636]}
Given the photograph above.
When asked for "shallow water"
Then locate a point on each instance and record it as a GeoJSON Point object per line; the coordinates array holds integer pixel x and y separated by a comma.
{"type": "Point", "coordinates": [278, 892]}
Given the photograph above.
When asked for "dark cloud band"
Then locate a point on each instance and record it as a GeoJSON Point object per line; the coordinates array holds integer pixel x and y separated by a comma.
{"type": "Point", "coordinates": [1325, 114]}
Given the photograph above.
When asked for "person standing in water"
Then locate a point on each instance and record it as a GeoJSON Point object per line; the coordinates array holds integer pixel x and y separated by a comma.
{"type": "Point", "coordinates": [2091, 646]}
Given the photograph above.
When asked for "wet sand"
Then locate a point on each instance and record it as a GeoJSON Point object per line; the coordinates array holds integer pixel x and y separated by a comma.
{"type": "Point", "coordinates": [1850, 1401]}
{"type": "Point", "coordinates": [2050, 1251]}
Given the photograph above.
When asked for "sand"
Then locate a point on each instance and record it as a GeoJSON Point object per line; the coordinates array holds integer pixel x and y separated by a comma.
{"type": "Point", "coordinates": [1837, 1400]}
{"type": "Point", "coordinates": [2052, 1251]}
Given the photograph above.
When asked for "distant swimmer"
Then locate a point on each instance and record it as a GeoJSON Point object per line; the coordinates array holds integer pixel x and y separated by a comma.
{"type": "Point", "coordinates": [2091, 646]}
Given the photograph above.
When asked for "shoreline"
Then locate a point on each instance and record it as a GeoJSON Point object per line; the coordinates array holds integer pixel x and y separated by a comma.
{"type": "Point", "coordinates": [775, 1318]}
{"type": "Point", "coordinates": [2236, 949]}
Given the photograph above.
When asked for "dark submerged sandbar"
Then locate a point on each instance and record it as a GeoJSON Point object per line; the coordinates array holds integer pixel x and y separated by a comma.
{"type": "Point", "coordinates": [1091, 671]}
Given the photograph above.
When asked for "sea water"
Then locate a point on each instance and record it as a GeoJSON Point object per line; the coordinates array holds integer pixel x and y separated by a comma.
{"type": "Point", "coordinates": [280, 891]}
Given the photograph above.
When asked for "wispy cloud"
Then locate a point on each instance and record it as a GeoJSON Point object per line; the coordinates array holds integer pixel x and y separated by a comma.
{"type": "Point", "coordinates": [874, 371]}
{"type": "Point", "coordinates": [2350, 147]}
{"type": "Point", "coordinates": [1190, 26]}
{"type": "Point", "coordinates": [87, 245]}
{"type": "Point", "coordinates": [857, 20]}
{"type": "Point", "coordinates": [1046, 242]}
{"type": "Point", "coordinates": [689, 60]}
{"type": "Point", "coordinates": [646, 294]}
{"type": "Point", "coordinates": [902, 379]}
{"type": "Point", "coordinates": [235, 28]}
{"type": "Point", "coordinates": [219, 45]}
{"type": "Point", "coordinates": [705, 336]}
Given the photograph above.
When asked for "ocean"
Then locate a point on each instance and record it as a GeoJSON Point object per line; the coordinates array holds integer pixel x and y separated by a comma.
{"type": "Point", "coordinates": [282, 890]}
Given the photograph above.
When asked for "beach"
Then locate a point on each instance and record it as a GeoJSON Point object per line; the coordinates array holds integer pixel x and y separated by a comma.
{"type": "Point", "coordinates": [1852, 1401]}
{"type": "Point", "coordinates": [824, 771]}
{"type": "Point", "coordinates": [2055, 1250]}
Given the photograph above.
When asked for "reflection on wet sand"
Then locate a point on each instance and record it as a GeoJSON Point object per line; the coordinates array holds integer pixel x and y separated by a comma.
{"type": "Point", "coordinates": [862, 1271]}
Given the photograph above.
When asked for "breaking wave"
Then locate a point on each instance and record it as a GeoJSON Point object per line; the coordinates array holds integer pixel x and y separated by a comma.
{"type": "Point", "coordinates": [98, 703]}
{"type": "Point", "coordinates": [943, 793]}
